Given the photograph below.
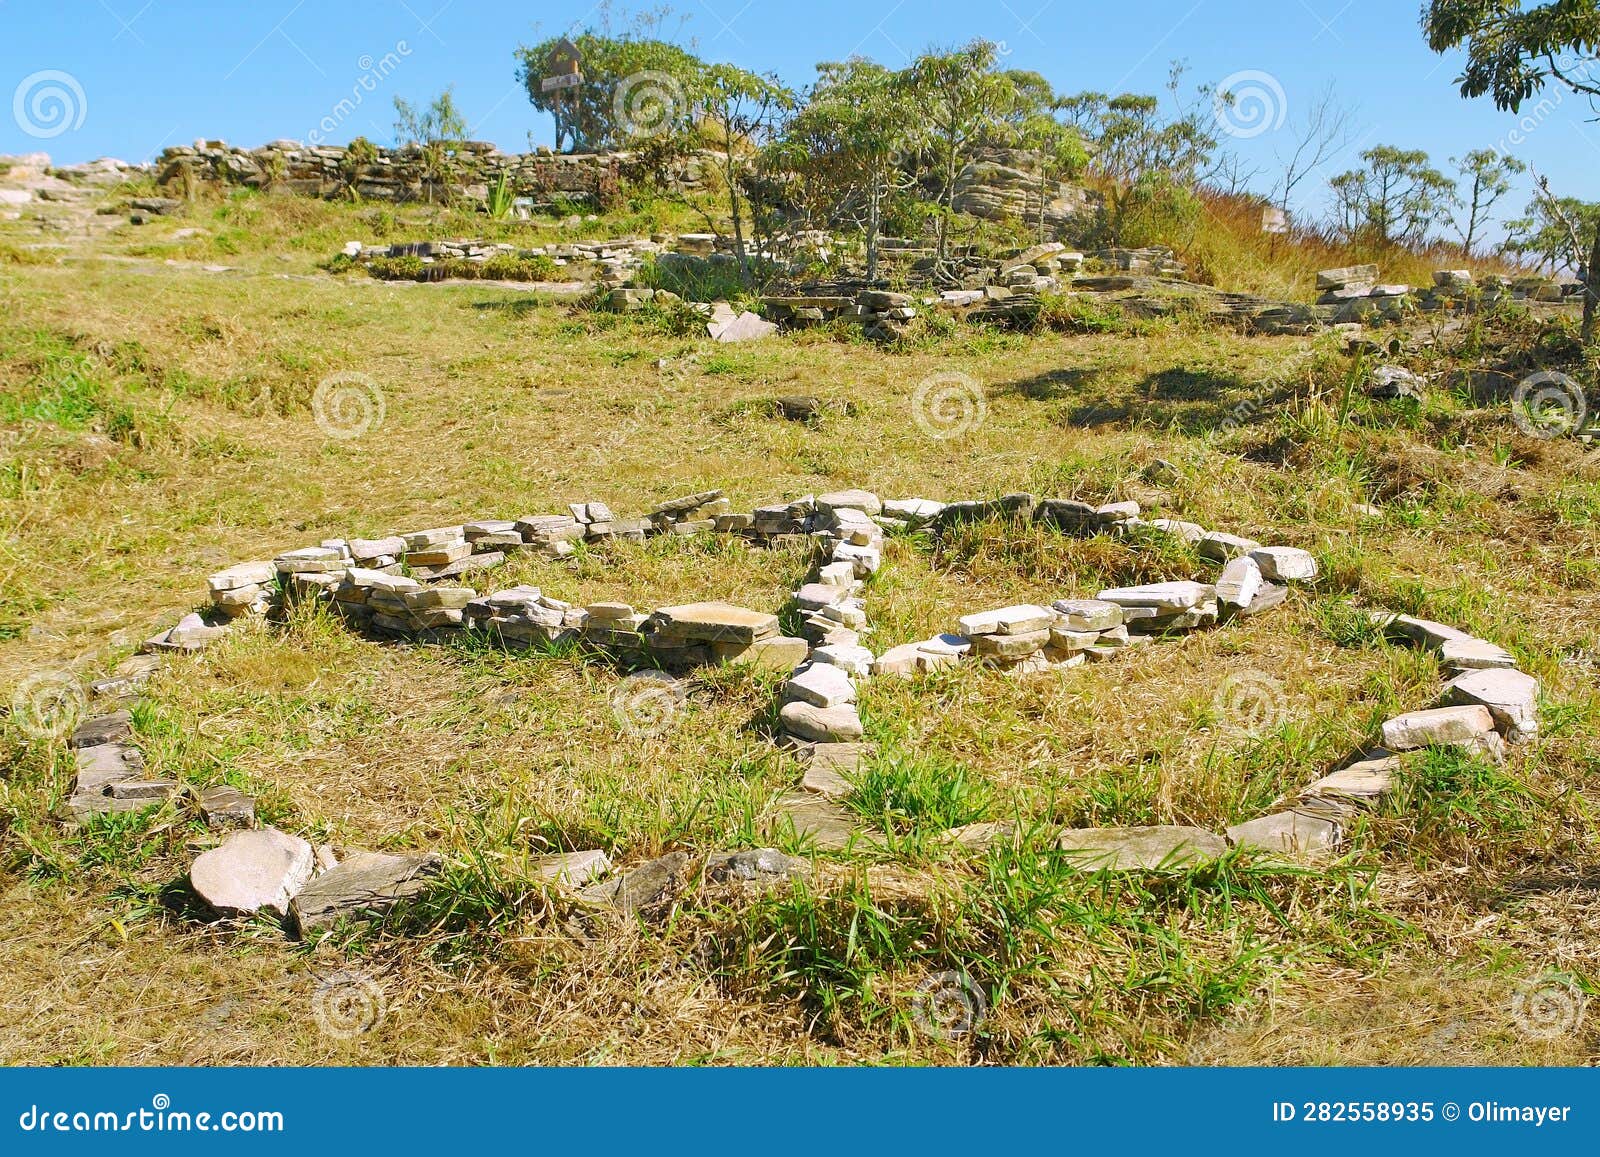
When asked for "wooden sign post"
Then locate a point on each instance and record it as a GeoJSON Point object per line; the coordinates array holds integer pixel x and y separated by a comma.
{"type": "Point", "coordinates": [563, 72]}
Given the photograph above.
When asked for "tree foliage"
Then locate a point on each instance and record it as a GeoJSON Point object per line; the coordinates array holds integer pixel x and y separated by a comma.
{"type": "Point", "coordinates": [1397, 197]}
{"type": "Point", "coordinates": [1485, 174]}
{"type": "Point", "coordinates": [592, 116]}
{"type": "Point", "coordinates": [1513, 51]}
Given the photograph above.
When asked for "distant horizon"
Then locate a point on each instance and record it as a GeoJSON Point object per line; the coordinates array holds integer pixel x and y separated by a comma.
{"type": "Point", "coordinates": [139, 79]}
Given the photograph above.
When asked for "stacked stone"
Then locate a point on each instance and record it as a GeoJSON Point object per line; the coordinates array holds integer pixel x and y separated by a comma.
{"type": "Point", "coordinates": [1016, 638]}
{"type": "Point", "coordinates": [777, 522]}
{"type": "Point", "coordinates": [691, 514]}
{"type": "Point", "coordinates": [884, 316]}
{"type": "Point", "coordinates": [552, 535]}
{"type": "Point", "coordinates": [1163, 608]}
{"type": "Point", "coordinates": [521, 616]}
{"type": "Point", "coordinates": [1038, 268]}
{"type": "Point", "coordinates": [716, 633]}
{"type": "Point", "coordinates": [819, 712]}
{"type": "Point", "coordinates": [245, 589]}
{"type": "Point", "coordinates": [1486, 705]}
{"type": "Point", "coordinates": [1153, 261]}
{"type": "Point", "coordinates": [396, 605]}
{"type": "Point", "coordinates": [615, 628]}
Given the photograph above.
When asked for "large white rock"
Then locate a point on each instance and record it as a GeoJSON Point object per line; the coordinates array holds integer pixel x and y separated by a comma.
{"type": "Point", "coordinates": [1512, 697]}
{"type": "Point", "coordinates": [1240, 582]}
{"type": "Point", "coordinates": [1281, 564]}
{"type": "Point", "coordinates": [252, 870]}
{"type": "Point", "coordinates": [821, 685]}
{"type": "Point", "coordinates": [1437, 727]}
{"type": "Point", "coordinates": [1174, 596]}
{"type": "Point", "coordinates": [839, 724]}
{"type": "Point", "coordinates": [1020, 619]}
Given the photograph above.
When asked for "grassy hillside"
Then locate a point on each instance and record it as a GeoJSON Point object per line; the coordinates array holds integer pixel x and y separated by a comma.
{"type": "Point", "coordinates": [157, 427]}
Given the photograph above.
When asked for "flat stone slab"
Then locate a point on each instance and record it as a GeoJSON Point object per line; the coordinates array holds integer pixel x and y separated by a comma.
{"type": "Point", "coordinates": [823, 824]}
{"type": "Point", "coordinates": [647, 888]}
{"type": "Point", "coordinates": [1239, 583]}
{"type": "Point", "coordinates": [976, 837]}
{"type": "Point", "coordinates": [575, 869]}
{"type": "Point", "coordinates": [852, 658]}
{"type": "Point", "coordinates": [1284, 563]}
{"type": "Point", "coordinates": [1174, 596]}
{"type": "Point", "coordinates": [1512, 697]}
{"type": "Point", "coordinates": [1364, 782]}
{"type": "Point", "coordinates": [862, 500]}
{"type": "Point", "coordinates": [1144, 849]}
{"type": "Point", "coordinates": [1438, 726]}
{"type": "Point", "coordinates": [746, 326]}
{"type": "Point", "coordinates": [1022, 619]}
{"type": "Point", "coordinates": [251, 871]}
{"type": "Point", "coordinates": [227, 807]}
{"type": "Point", "coordinates": [756, 867]}
{"type": "Point", "coordinates": [821, 685]}
{"type": "Point", "coordinates": [245, 574]}
{"type": "Point", "coordinates": [1474, 653]}
{"type": "Point", "coordinates": [1289, 833]}
{"type": "Point", "coordinates": [1217, 546]}
{"type": "Point", "coordinates": [829, 767]}
{"type": "Point", "coordinates": [840, 724]}
{"type": "Point", "coordinates": [105, 764]}
{"type": "Point", "coordinates": [780, 653]}
{"type": "Point", "coordinates": [713, 622]}
{"type": "Point", "coordinates": [364, 884]}
{"type": "Point", "coordinates": [103, 729]}
{"type": "Point", "coordinates": [1087, 614]}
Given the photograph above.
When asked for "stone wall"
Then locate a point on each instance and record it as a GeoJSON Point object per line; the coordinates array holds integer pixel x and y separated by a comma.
{"type": "Point", "coordinates": [399, 174]}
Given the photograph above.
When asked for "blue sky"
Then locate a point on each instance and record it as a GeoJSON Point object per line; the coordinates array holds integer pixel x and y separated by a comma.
{"type": "Point", "coordinates": [153, 73]}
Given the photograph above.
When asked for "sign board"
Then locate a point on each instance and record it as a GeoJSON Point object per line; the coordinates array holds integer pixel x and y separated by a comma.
{"type": "Point", "coordinates": [1273, 220]}
{"type": "Point", "coordinates": [564, 69]}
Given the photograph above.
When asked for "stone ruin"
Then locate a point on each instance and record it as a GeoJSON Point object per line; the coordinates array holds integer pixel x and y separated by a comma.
{"type": "Point", "coordinates": [400, 174]}
{"type": "Point", "coordinates": [409, 587]}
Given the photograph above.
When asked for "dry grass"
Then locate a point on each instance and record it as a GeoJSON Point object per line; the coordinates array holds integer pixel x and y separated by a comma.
{"type": "Point", "coordinates": [157, 427]}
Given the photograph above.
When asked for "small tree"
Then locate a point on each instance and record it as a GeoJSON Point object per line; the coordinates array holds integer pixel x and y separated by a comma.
{"type": "Point", "coordinates": [850, 141]}
{"type": "Point", "coordinates": [436, 132]}
{"type": "Point", "coordinates": [1149, 160]}
{"type": "Point", "coordinates": [1317, 135]}
{"type": "Point", "coordinates": [1396, 198]}
{"type": "Point", "coordinates": [1552, 230]}
{"type": "Point", "coordinates": [740, 114]}
{"type": "Point", "coordinates": [960, 100]}
{"type": "Point", "coordinates": [1487, 175]}
{"type": "Point", "coordinates": [441, 121]}
{"type": "Point", "coordinates": [1058, 154]}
